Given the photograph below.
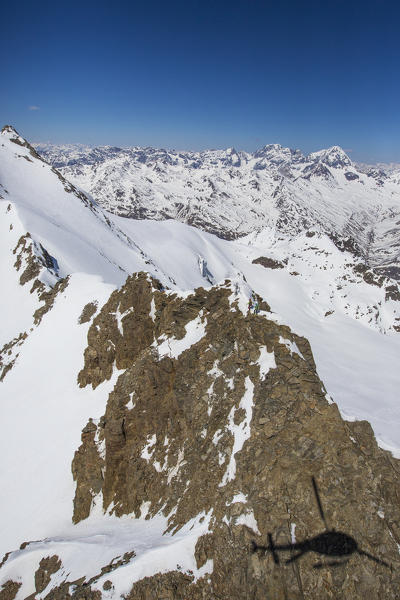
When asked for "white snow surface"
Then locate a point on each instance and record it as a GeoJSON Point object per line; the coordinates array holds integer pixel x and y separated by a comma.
{"type": "Point", "coordinates": [173, 348]}
{"type": "Point", "coordinates": [240, 432]}
{"type": "Point", "coordinates": [148, 449]}
{"type": "Point", "coordinates": [240, 497]}
{"type": "Point", "coordinates": [293, 533]}
{"type": "Point", "coordinates": [16, 306]}
{"type": "Point", "coordinates": [43, 412]}
{"type": "Point", "coordinates": [249, 520]}
{"type": "Point", "coordinates": [266, 361]}
{"type": "Point", "coordinates": [102, 539]}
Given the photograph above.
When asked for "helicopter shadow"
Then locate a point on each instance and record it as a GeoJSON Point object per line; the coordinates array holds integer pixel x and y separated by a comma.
{"type": "Point", "coordinates": [335, 545]}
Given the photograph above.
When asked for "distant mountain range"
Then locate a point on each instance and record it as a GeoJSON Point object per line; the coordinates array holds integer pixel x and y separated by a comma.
{"type": "Point", "coordinates": [232, 193]}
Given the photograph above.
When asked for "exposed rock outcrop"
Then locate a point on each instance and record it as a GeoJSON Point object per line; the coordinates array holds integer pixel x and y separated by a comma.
{"type": "Point", "coordinates": [268, 263]}
{"type": "Point", "coordinates": [47, 566]}
{"type": "Point", "coordinates": [33, 257]}
{"type": "Point", "coordinates": [9, 354]}
{"type": "Point", "coordinates": [9, 590]}
{"type": "Point", "coordinates": [31, 260]}
{"type": "Point", "coordinates": [220, 412]}
{"type": "Point", "coordinates": [87, 313]}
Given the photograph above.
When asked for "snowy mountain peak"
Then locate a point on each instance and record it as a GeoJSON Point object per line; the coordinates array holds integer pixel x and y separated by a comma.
{"type": "Point", "coordinates": [233, 193]}
{"type": "Point", "coordinates": [9, 129]}
{"type": "Point", "coordinates": [232, 157]}
{"type": "Point", "coordinates": [276, 153]}
{"type": "Point", "coordinates": [334, 157]}
{"type": "Point", "coordinates": [10, 133]}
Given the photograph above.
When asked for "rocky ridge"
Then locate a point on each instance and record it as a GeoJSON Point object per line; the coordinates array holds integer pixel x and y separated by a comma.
{"type": "Point", "coordinates": [33, 263]}
{"type": "Point", "coordinates": [219, 417]}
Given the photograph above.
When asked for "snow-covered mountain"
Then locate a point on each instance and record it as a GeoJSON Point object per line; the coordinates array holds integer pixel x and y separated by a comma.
{"type": "Point", "coordinates": [153, 427]}
{"type": "Point", "coordinates": [233, 193]}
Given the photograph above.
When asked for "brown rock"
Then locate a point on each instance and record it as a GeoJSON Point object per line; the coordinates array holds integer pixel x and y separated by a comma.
{"type": "Point", "coordinates": [87, 471]}
{"type": "Point", "coordinates": [9, 590]}
{"type": "Point", "coordinates": [47, 566]}
{"type": "Point", "coordinates": [87, 313]}
{"type": "Point", "coordinates": [268, 263]}
{"type": "Point", "coordinates": [185, 413]}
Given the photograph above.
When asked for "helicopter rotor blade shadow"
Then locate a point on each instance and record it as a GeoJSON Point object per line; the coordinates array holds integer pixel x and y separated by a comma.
{"type": "Point", "coordinates": [321, 510]}
{"type": "Point", "coordinates": [272, 548]}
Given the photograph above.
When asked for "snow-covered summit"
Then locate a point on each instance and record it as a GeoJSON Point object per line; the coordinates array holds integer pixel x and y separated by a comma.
{"type": "Point", "coordinates": [277, 154]}
{"type": "Point", "coordinates": [9, 132]}
{"type": "Point", "coordinates": [334, 157]}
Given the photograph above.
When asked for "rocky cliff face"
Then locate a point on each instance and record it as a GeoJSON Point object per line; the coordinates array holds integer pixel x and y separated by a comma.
{"type": "Point", "coordinates": [221, 412]}
{"type": "Point", "coordinates": [31, 261]}
{"type": "Point", "coordinates": [218, 415]}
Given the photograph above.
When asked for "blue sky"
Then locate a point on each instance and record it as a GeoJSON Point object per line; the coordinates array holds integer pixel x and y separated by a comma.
{"type": "Point", "coordinates": [205, 74]}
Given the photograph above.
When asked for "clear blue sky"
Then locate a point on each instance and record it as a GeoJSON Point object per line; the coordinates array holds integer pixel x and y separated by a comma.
{"type": "Point", "coordinates": [205, 74]}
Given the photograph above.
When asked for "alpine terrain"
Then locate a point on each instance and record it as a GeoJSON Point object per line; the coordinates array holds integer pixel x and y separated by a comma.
{"type": "Point", "coordinates": [199, 374]}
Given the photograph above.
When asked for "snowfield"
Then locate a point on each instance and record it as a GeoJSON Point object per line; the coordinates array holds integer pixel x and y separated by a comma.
{"type": "Point", "coordinates": [103, 539]}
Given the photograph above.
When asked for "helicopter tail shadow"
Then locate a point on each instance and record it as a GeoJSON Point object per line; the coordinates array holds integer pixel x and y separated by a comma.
{"type": "Point", "coordinates": [379, 561]}
{"type": "Point", "coordinates": [323, 565]}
